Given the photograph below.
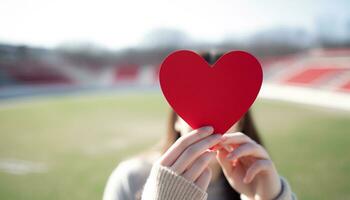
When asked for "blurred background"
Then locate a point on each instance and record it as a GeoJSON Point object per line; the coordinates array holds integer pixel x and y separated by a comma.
{"type": "Point", "coordinates": [79, 87]}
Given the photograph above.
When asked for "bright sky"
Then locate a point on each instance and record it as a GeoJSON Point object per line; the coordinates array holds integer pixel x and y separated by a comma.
{"type": "Point", "coordinates": [117, 24]}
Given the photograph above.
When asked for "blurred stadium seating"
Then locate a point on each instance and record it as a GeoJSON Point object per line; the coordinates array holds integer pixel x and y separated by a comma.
{"type": "Point", "coordinates": [322, 69]}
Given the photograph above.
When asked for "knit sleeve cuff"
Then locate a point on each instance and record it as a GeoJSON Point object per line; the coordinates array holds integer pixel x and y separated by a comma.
{"type": "Point", "coordinates": [165, 184]}
{"type": "Point", "coordinates": [285, 193]}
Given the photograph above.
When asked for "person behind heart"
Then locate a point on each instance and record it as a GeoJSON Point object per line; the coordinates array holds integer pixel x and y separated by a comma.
{"type": "Point", "coordinates": [238, 167]}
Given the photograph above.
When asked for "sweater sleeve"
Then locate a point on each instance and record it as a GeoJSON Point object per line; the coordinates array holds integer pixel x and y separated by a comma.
{"type": "Point", "coordinates": [285, 194]}
{"type": "Point", "coordinates": [165, 184]}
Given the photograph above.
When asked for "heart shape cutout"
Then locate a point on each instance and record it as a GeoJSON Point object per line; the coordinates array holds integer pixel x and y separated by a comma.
{"type": "Point", "coordinates": [217, 95]}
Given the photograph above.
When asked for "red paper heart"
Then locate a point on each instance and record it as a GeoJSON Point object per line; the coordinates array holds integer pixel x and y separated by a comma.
{"type": "Point", "coordinates": [203, 95]}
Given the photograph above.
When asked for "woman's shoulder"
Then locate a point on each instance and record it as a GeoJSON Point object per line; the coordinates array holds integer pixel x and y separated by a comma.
{"type": "Point", "coordinates": [129, 176]}
{"type": "Point", "coordinates": [137, 166]}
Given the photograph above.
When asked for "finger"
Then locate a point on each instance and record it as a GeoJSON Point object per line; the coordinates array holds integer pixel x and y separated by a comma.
{"type": "Point", "coordinates": [198, 166]}
{"type": "Point", "coordinates": [248, 149]}
{"type": "Point", "coordinates": [227, 147]}
{"type": "Point", "coordinates": [235, 138]}
{"type": "Point", "coordinates": [182, 143]}
{"type": "Point", "coordinates": [193, 152]}
{"type": "Point", "coordinates": [204, 179]}
{"type": "Point", "coordinates": [257, 167]}
{"type": "Point", "coordinates": [224, 163]}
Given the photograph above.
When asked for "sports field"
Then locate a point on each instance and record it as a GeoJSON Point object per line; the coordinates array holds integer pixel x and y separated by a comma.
{"type": "Point", "coordinates": [66, 147]}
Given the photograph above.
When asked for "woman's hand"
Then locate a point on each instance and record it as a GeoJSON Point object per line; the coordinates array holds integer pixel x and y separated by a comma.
{"type": "Point", "coordinates": [248, 167]}
{"type": "Point", "coordinates": [188, 156]}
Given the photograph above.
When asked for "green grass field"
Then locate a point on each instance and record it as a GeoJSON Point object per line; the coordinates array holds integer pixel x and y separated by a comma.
{"type": "Point", "coordinates": [78, 141]}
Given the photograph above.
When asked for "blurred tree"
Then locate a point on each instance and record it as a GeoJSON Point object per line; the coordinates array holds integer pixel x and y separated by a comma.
{"type": "Point", "coordinates": [165, 38]}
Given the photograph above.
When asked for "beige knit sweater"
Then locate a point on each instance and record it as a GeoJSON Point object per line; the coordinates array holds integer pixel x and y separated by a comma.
{"type": "Point", "coordinates": [165, 184]}
{"type": "Point", "coordinates": [160, 183]}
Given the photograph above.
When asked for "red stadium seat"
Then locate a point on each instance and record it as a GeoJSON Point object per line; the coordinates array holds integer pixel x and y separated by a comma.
{"type": "Point", "coordinates": [127, 73]}
{"type": "Point", "coordinates": [345, 86]}
{"type": "Point", "coordinates": [312, 76]}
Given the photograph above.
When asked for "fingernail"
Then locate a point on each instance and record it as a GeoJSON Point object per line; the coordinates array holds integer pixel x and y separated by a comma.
{"type": "Point", "coordinates": [245, 180]}
{"type": "Point", "coordinates": [234, 163]}
{"type": "Point", "coordinates": [208, 128]}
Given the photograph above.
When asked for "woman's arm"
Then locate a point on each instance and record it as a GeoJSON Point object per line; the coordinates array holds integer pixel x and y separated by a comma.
{"type": "Point", "coordinates": [165, 184]}
{"type": "Point", "coordinates": [182, 172]}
